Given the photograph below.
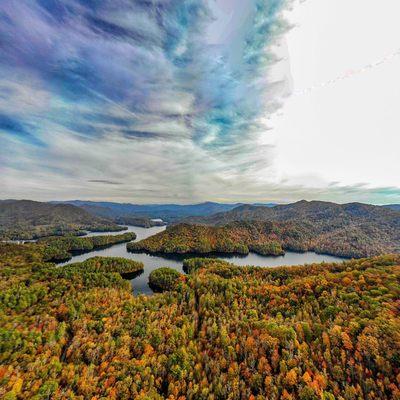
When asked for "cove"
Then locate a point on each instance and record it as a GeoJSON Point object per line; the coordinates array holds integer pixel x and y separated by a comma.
{"type": "Point", "coordinates": [151, 262]}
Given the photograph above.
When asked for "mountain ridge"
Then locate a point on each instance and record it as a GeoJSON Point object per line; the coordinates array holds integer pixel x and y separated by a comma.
{"type": "Point", "coordinates": [28, 219]}
{"type": "Point", "coordinates": [167, 212]}
{"type": "Point", "coordinates": [310, 209]}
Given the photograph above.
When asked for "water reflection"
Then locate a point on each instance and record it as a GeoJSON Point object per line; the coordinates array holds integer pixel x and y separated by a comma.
{"type": "Point", "coordinates": [141, 233]}
{"type": "Point", "coordinates": [131, 275]}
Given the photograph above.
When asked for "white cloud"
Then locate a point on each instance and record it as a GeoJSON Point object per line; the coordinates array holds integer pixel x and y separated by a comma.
{"type": "Point", "coordinates": [348, 130]}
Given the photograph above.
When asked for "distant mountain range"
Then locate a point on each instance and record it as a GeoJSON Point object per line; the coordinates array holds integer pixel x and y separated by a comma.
{"type": "Point", "coordinates": [395, 207]}
{"type": "Point", "coordinates": [120, 217]}
{"type": "Point", "coordinates": [311, 211]}
{"type": "Point", "coordinates": [167, 212]}
{"type": "Point", "coordinates": [26, 219]}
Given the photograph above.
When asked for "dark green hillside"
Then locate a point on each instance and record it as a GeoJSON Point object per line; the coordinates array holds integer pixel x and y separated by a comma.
{"type": "Point", "coordinates": [25, 219]}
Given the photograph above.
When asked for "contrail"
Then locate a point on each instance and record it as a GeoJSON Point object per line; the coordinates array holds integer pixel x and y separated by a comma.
{"type": "Point", "coordinates": [105, 98]}
{"type": "Point", "coordinates": [349, 74]}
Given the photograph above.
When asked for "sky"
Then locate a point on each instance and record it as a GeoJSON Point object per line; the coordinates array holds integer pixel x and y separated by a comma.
{"type": "Point", "coordinates": [189, 100]}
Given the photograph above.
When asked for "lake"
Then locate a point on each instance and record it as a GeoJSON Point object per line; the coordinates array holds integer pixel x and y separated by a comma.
{"type": "Point", "coordinates": [151, 262]}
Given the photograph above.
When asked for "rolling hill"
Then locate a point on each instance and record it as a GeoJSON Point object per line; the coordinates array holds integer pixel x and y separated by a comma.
{"type": "Point", "coordinates": [26, 219]}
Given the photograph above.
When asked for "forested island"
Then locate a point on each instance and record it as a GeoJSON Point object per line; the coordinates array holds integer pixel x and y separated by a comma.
{"type": "Point", "coordinates": [237, 238]}
{"type": "Point", "coordinates": [164, 278]}
{"type": "Point", "coordinates": [322, 331]}
{"type": "Point", "coordinates": [61, 248]}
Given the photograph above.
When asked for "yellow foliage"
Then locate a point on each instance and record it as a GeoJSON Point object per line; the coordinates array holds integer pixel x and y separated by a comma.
{"type": "Point", "coordinates": [291, 377]}
{"type": "Point", "coordinates": [17, 386]}
{"type": "Point", "coordinates": [306, 377]}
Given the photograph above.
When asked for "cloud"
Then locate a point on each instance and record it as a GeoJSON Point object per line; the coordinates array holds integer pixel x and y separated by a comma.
{"type": "Point", "coordinates": [164, 100]}
{"type": "Point", "coordinates": [134, 91]}
{"type": "Point", "coordinates": [104, 181]}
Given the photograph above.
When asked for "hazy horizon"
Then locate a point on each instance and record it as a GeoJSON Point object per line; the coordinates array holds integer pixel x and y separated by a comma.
{"type": "Point", "coordinates": [263, 202]}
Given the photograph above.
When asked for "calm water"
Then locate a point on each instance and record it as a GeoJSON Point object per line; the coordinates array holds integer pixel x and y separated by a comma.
{"type": "Point", "coordinates": [141, 233]}
{"type": "Point", "coordinates": [151, 262]}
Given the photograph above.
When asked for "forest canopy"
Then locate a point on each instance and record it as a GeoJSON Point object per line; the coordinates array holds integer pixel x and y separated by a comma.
{"type": "Point", "coordinates": [162, 279]}
{"type": "Point", "coordinates": [325, 330]}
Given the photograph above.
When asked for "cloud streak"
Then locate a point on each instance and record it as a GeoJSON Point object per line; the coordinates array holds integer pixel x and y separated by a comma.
{"type": "Point", "coordinates": [350, 73]}
{"type": "Point", "coordinates": [140, 100]}
{"type": "Point", "coordinates": [138, 92]}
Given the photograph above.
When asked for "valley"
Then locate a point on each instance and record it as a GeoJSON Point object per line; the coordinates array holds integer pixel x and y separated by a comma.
{"type": "Point", "coordinates": [218, 306]}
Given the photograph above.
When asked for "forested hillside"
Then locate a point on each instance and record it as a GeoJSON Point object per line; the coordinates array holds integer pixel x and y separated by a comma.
{"type": "Point", "coordinates": [327, 331]}
{"type": "Point", "coordinates": [233, 238]}
{"type": "Point", "coordinates": [352, 230]}
{"type": "Point", "coordinates": [26, 219]}
{"type": "Point", "coordinates": [273, 238]}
